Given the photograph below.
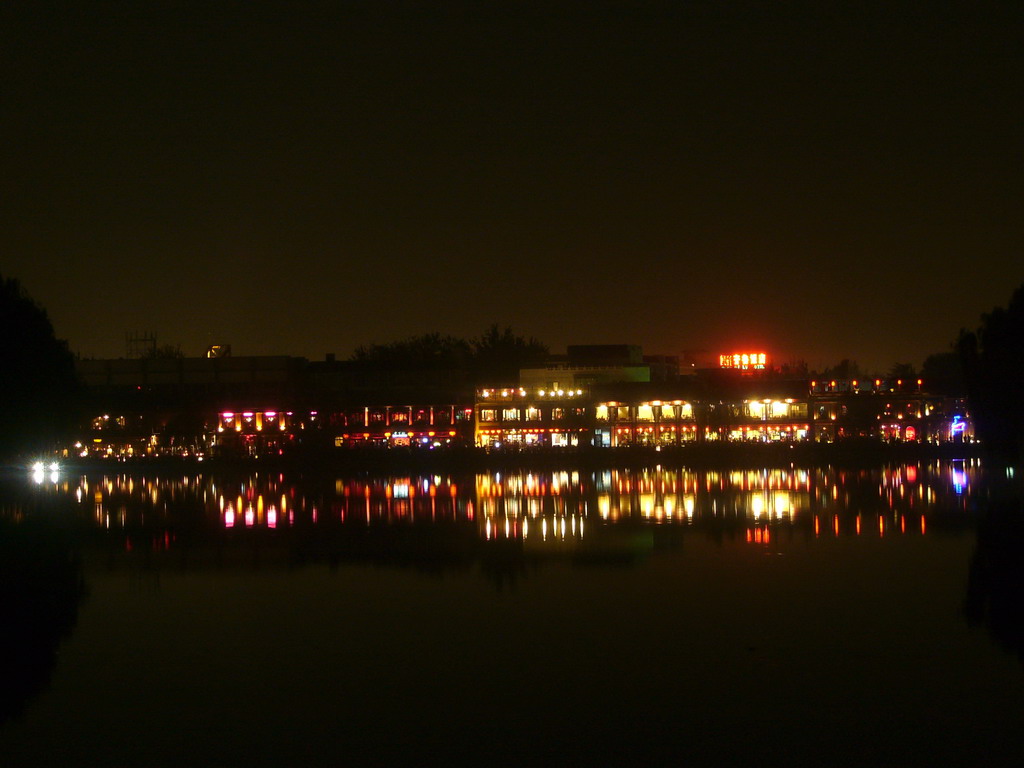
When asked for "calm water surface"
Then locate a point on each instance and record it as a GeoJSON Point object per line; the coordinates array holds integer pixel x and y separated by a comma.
{"type": "Point", "coordinates": [789, 616]}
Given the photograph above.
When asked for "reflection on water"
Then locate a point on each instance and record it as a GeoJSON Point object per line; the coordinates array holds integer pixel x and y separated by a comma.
{"type": "Point", "coordinates": [995, 584]}
{"type": "Point", "coordinates": [499, 521]}
{"type": "Point", "coordinates": [654, 612]}
{"type": "Point", "coordinates": [41, 588]}
{"type": "Point", "coordinates": [543, 510]}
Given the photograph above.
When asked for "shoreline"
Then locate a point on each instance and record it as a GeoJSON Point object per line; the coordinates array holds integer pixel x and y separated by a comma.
{"type": "Point", "coordinates": [853, 454]}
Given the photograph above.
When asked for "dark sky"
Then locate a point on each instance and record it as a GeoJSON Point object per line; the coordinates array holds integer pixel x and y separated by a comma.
{"type": "Point", "coordinates": [823, 180]}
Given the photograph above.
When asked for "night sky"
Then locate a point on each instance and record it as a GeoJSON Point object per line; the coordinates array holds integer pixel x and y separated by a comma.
{"type": "Point", "coordinates": [821, 180]}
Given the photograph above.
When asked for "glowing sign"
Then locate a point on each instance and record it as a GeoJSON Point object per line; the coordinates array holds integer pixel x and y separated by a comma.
{"type": "Point", "coordinates": [743, 360]}
{"type": "Point", "coordinates": [910, 433]}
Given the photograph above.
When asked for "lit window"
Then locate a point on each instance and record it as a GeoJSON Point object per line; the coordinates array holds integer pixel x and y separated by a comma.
{"type": "Point", "coordinates": [533, 414]}
{"type": "Point", "coordinates": [559, 413]}
{"type": "Point", "coordinates": [488, 414]}
{"type": "Point", "coordinates": [601, 413]}
{"type": "Point", "coordinates": [645, 412]}
{"type": "Point", "coordinates": [510, 414]}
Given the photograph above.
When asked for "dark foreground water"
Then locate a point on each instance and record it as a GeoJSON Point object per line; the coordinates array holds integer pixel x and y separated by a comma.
{"type": "Point", "coordinates": [800, 616]}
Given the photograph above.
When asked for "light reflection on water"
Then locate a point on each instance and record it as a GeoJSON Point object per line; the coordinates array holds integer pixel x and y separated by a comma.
{"type": "Point", "coordinates": [648, 614]}
{"type": "Point", "coordinates": [534, 507]}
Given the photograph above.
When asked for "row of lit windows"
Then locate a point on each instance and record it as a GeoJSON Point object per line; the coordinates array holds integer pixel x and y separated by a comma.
{"type": "Point", "coordinates": [644, 412]}
{"type": "Point", "coordinates": [648, 412]}
{"type": "Point", "coordinates": [528, 414]}
{"type": "Point", "coordinates": [401, 416]}
{"type": "Point", "coordinates": [256, 420]}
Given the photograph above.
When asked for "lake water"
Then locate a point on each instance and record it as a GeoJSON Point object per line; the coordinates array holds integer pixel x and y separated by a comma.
{"type": "Point", "coordinates": [782, 616]}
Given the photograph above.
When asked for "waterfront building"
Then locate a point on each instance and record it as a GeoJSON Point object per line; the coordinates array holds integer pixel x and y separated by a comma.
{"type": "Point", "coordinates": [594, 397]}
{"type": "Point", "coordinates": [532, 418]}
{"type": "Point", "coordinates": [893, 411]}
{"type": "Point", "coordinates": [642, 414]}
{"type": "Point", "coordinates": [430, 425]}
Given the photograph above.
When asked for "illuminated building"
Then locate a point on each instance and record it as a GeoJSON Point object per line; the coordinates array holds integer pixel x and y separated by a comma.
{"type": "Point", "coordinates": [278, 405]}
{"type": "Point", "coordinates": [740, 409]}
{"type": "Point", "coordinates": [428, 426]}
{"type": "Point", "coordinates": [893, 411]}
{"type": "Point", "coordinates": [516, 416]}
{"type": "Point", "coordinates": [639, 414]}
{"type": "Point", "coordinates": [622, 420]}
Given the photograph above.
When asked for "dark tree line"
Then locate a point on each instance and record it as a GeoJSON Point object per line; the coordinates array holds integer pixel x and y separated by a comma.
{"type": "Point", "coordinates": [494, 356]}
{"type": "Point", "coordinates": [993, 365]}
{"type": "Point", "coordinates": [942, 372]}
{"type": "Point", "coordinates": [38, 387]}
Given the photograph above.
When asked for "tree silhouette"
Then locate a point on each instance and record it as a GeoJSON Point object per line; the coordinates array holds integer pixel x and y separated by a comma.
{"type": "Point", "coordinates": [38, 387]}
{"type": "Point", "coordinates": [844, 370]}
{"type": "Point", "coordinates": [429, 350]}
{"type": "Point", "coordinates": [499, 354]}
{"type": "Point", "coordinates": [902, 372]}
{"type": "Point", "coordinates": [993, 364]}
{"type": "Point", "coordinates": [494, 357]}
{"type": "Point", "coordinates": [943, 372]}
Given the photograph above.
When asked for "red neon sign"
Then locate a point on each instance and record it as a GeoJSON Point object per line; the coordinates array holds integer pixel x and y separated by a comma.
{"type": "Point", "coordinates": [743, 360]}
